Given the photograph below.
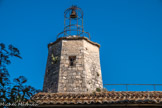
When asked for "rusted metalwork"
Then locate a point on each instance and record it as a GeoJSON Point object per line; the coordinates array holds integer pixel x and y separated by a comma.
{"type": "Point", "coordinates": [73, 23]}
{"type": "Point", "coordinates": [154, 85]}
{"type": "Point", "coordinates": [73, 14]}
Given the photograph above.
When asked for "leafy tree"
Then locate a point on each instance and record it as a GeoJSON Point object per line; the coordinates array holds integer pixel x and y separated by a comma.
{"type": "Point", "coordinates": [5, 54]}
{"type": "Point", "coordinates": [9, 92]}
{"type": "Point", "coordinates": [20, 92]}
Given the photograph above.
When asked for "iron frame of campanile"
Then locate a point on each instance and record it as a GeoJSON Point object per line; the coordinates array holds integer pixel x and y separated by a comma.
{"type": "Point", "coordinates": [77, 27]}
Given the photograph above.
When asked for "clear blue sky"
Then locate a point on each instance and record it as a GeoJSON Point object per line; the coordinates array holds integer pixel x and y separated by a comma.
{"type": "Point", "coordinates": [129, 32]}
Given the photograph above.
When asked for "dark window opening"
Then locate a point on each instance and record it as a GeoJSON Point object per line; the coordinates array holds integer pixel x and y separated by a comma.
{"type": "Point", "coordinates": [72, 60]}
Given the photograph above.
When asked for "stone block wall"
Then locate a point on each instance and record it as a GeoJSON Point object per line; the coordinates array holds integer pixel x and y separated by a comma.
{"type": "Point", "coordinates": [92, 66]}
{"type": "Point", "coordinates": [72, 78]}
{"type": "Point", "coordinates": [52, 68]}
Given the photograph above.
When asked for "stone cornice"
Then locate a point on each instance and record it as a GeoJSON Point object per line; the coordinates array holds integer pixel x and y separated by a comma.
{"type": "Point", "coordinates": [74, 38]}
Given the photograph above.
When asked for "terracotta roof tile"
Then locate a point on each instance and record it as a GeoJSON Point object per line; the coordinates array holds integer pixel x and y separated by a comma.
{"type": "Point", "coordinates": [99, 98]}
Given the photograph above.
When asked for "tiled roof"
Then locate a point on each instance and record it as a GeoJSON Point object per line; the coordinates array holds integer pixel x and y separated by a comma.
{"type": "Point", "coordinates": [110, 97]}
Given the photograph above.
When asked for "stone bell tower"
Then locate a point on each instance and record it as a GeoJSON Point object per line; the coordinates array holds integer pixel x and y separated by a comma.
{"type": "Point", "coordinates": [73, 63]}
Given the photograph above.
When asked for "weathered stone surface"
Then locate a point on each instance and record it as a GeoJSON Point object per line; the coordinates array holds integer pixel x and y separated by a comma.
{"type": "Point", "coordinates": [83, 75]}
{"type": "Point", "coordinates": [52, 70]}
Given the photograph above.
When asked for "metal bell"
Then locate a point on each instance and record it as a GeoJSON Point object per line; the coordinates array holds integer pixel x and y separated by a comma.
{"type": "Point", "coordinates": [73, 14]}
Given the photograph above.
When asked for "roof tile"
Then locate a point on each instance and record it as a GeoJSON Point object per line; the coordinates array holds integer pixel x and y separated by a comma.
{"type": "Point", "coordinates": [110, 97]}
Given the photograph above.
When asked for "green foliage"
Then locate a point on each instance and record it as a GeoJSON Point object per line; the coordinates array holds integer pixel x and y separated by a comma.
{"type": "Point", "coordinates": [101, 90]}
{"type": "Point", "coordinates": [54, 59]}
{"type": "Point", "coordinates": [94, 92]}
{"type": "Point", "coordinates": [98, 89]}
{"type": "Point", "coordinates": [104, 90]}
{"type": "Point", "coordinates": [17, 91]}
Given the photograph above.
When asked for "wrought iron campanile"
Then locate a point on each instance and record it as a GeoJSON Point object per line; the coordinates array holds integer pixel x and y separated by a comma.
{"type": "Point", "coordinates": [73, 23]}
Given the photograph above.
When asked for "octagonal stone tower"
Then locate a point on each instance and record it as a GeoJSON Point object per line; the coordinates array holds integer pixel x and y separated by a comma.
{"type": "Point", "coordinates": [73, 63]}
